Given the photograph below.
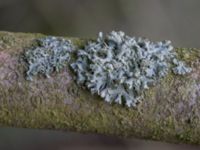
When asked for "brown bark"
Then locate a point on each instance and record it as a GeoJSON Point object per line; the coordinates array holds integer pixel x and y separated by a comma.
{"type": "Point", "coordinates": [170, 111]}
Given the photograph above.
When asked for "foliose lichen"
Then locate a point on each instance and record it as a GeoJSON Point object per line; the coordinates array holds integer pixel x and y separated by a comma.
{"type": "Point", "coordinates": [180, 68]}
{"type": "Point", "coordinates": [119, 67]}
{"type": "Point", "coordinates": [50, 54]}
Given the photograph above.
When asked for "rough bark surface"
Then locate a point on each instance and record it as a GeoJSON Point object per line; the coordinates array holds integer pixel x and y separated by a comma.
{"type": "Point", "coordinates": [170, 110]}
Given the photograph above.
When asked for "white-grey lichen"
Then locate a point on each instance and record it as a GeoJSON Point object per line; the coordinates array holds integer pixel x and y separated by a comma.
{"type": "Point", "coordinates": [180, 68]}
{"type": "Point", "coordinates": [50, 54]}
{"type": "Point", "coordinates": [119, 67]}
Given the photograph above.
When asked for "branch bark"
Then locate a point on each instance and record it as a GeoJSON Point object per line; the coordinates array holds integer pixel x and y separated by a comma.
{"type": "Point", "coordinates": [169, 112]}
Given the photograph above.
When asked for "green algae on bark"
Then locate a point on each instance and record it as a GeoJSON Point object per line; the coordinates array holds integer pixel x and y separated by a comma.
{"type": "Point", "coordinates": [169, 111]}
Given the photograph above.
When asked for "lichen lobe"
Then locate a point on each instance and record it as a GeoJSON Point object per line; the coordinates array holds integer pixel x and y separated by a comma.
{"type": "Point", "coordinates": [119, 67]}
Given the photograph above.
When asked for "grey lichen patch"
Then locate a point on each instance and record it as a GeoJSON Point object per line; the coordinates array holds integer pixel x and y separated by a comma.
{"type": "Point", "coordinates": [119, 67]}
{"type": "Point", "coordinates": [180, 68]}
{"type": "Point", "coordinates": [50, 54]}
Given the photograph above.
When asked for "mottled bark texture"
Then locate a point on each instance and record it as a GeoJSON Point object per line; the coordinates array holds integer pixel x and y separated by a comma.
{"type": "Point", "coordinates": [170, 111]}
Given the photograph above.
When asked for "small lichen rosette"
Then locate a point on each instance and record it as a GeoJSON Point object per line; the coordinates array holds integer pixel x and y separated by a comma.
{"type": "Point", "coordinates": [50, 54]}
{"type": "Point", "coordinates": [119, 67]}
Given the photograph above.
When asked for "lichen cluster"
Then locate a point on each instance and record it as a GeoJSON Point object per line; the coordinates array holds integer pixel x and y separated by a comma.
{"type": "Point", "coordinates": [50, 54]}
{"type": "Point", "coordinates": [119, 67]}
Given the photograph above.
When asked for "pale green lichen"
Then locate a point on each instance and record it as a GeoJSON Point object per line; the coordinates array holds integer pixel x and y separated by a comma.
{"type": "Point", "coordinates": [50, 54]}
{"type": "Point", "coordinates": [119, 67]}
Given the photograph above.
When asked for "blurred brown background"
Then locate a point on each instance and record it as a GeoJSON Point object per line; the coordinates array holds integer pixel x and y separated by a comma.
{"type": "Point", "coordinates": [175, 20]}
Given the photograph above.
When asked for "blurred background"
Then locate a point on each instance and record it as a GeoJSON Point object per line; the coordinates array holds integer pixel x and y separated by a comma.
{"type": "Point", "coordinates": [31, 139]}
{"type": "Point", "coordinates": [175, 20]}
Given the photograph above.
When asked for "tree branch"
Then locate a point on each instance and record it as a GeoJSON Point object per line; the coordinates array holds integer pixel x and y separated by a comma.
{"type": "Point", "coordinates": [169, 112]}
